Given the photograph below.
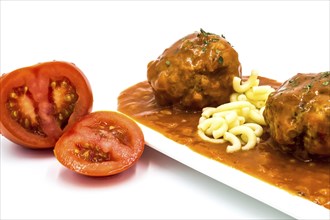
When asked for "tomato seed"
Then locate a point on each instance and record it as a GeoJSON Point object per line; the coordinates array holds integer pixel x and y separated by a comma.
{"type": "Point", "coordinates": [25, 89]}
{"type": "Point", "coordinates": [53, 84]}
{"type": "Point", "coordinates": [64, 84]}
{"type": "Point", "coordinates": [22, 109]}
{"type": "Point", "coordinates": [68, 98]}
{"type": "Point", "coordinates": [13, 95]}
{"type": "Point", "coordinates": [14, 114]}
{"type": "Point", "coordinates": [86, 154]}
{"type": "Point", "coordinates": [91, 153]}
{"type": "Point", "coordinates": [60, 117]}
{"type": "Point", "coordinates": [64, 97]}
{"type": "Point", "coordinates": [11, 104]}
{"type": "Point", "coordinates": [27, 123]}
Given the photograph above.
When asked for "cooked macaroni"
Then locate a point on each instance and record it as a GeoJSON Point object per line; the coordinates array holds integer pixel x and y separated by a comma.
{"type": "Point", "coordinates": [239, 121]}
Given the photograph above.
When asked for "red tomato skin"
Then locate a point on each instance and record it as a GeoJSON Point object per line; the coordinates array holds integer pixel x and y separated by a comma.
{"type": "Point", "coordinates": [42, 73]}
{"type": "Point", "coordinates": [64, 150]}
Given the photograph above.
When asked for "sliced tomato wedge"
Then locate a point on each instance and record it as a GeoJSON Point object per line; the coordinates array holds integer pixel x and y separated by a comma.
{"type": "Point", "coordinates": [38, 103]}
{"type": "Point", "coordinates": [102, 143]}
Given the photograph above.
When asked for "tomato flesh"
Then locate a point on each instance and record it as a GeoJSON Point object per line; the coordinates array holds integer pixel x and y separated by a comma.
{"type": "Point", "coordinates": [102, 143]}
{"type": "Point", "coordinates": [64, 97]}
{"type": "Point", "coordinates": [38, 103]}
{"type": "Point", "coordinates": [22, 108]}
{"type": "Point", "coordinates": [91, 153]}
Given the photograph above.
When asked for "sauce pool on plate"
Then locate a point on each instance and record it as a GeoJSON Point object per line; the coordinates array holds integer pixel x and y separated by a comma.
{"type": "Point", "coordinates": [307, 180]}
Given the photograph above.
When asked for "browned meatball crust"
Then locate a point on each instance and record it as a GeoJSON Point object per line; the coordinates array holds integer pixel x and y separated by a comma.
{"type": "Point", "coordinates": [195, 72]}
{"type": "Point", "coordinates": [298, 114]}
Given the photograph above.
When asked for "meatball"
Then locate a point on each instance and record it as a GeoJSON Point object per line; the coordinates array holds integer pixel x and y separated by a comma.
{"type": "Point", "coordinates": [298, 115]}
{"type": "Point", "coordinates": [196, 71]}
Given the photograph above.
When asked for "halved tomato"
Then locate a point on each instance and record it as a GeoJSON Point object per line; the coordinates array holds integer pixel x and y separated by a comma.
{"type": "Point", "coordinates": [102, 143]}
{"type": "Point", "coordinates": [38, 103]}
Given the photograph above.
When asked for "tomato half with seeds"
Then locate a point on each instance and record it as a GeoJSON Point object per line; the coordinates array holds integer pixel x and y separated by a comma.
{"type": "Point", "coordinates": [102, 143]}
{"type": "Point", "coordinates": [38, 103]}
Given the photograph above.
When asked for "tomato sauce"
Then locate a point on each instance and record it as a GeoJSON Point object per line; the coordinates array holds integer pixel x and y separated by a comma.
{"type": "Point", "coordinates": [308, 180]}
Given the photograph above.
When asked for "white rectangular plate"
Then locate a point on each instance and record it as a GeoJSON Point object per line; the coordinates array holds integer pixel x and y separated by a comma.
{"type": "Point", "coordinates": [290, 204]}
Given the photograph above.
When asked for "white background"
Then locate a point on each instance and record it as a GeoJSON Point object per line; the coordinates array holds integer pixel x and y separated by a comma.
{"type": "Point", "coordinates": [112, 42]}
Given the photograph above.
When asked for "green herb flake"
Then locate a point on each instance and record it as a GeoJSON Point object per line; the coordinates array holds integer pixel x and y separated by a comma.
{"type": "Point", "coordinates": [325, 83]}
{"type": "Point", "coordinates": [203, 32]}
{"type": "Point", "coordinates": [325, 74]}
{"type": "Point", "coordinates": [168, 63]}
{"type": "Point", "coordinates": [308, 87]}
{"type": "Point", "coordinates": [220, 60]}
{"type": "Point", "coordinates": [293, 82]}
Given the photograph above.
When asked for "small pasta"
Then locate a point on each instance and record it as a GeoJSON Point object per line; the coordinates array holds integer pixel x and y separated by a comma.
{"type": "Point", "coordinates": [212, 140]}
{"type": "Point", "coordinates": [257, 117]}
{"type": "Point", "coordinates": [208, 111]}
{"type": "Point", "coordinates": [220, 131]}
{"type": "Point", "coordinates": [258, 104]}
{"type": "Point", "coordinates": [262, 89]}
{"type": "Point", "coordinates": [236, 144]}
{"type": "Point", "coordinates": [261, 110]}
{"type": "Point", "coordinates": [240, 121]}
{"type": "Point", "coordinates": [233, 97]}
{"type": "Point", "coordinates": [231, 117]}
{"type": "Point", "coordinates": [235, 105]}
{"type": "Point", "coordinates": [252, 81]}
{"type": "Point", "coordinates": [257, 129]}
{"type": "Point", "coordinates": [248, 132]}
{"type": "Point", "coordinates": [216, 123]}
{"type": "Point", "coordinates": [253, 96]}
{"type": "Point", "coordinates": [242, 97]}
{"type": "Point", "coordinates": [245, 112]}
{"type": "Point", "coordinates": [223, 113]}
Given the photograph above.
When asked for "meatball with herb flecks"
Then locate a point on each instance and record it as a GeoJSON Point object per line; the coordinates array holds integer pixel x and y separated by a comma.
{"type": "Point", "coordinates": [195, 72]}
{"type": "Point", "coordinates": [298, 114]}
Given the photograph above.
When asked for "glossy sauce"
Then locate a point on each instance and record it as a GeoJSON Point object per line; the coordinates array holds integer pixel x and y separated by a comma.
{"type": "Point", "coordinates": [308, 180]}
